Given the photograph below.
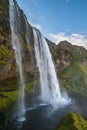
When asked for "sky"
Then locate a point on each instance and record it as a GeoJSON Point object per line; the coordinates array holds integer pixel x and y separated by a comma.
{"type": "Point", "coordinates": [58, 19]}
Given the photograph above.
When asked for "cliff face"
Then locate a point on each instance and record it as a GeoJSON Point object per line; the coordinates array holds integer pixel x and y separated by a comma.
{"type": "Point", "coordinates": [71, 65]}
{"type": "Point", "coordinates": [7, 60]}
{"type": "Point", "coordinates": [65, 54]}
{"type": "Point", "coordinates": [70, 60]}
{"type": "Point", "coordinates": [69, 54]}
{"type": "Point", "coordinates": [8, 68]}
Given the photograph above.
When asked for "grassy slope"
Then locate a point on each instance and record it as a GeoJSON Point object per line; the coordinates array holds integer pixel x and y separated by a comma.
{"type": "Point", "coordinates": [74, 78]}
{"type": "Point", "coordinates": [73, 121]}
{"type": "Point", "coordinates": [7, 98]}
{"type": "Point", "coordinates": [5, 55]}
{"type": "Point", "coordinates": [32, 87]}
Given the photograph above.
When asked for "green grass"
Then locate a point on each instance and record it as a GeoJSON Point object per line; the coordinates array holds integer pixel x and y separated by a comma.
{"type": "Point", "coordinates": [72, 121]}
{"type": "Point", "coordinates": [32, 87]}
{"type": "Point", "coordinates": [8, 99]}
{"type": "Point", "coordinates": [5, 52]}
{"type": "Point", "coordinates": [74, 78]}
{"type": "Point", "coordinates": [54, 53]}
{"type": "Point", "coordinates": [2, 62]}
{"type": "Point", "coordinates": [4, 8]}
{"type": "Point", "coordinates": [75, 54]}
{"type": "Point", "coordinates": [29, 88]}
{"type": "Point", "coordinates": [5, 55]}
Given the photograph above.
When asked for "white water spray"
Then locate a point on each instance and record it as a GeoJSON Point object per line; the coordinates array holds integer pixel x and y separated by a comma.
{"type": "Point", "coordinates": [50, 90]}
{"type": "Point", "coordinates": [14, 19]}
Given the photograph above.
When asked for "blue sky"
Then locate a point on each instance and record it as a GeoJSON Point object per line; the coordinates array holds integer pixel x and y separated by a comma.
{"type": "Point", "coordinates": [58, 19]}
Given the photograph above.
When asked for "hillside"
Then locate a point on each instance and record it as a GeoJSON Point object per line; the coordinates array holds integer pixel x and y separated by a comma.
{"type": "Point", "coordinates": [71, 66]}
{"type": "Point", "coordinates": [70, 60]}
{"type": "Point", "coordinates": [73, 121]}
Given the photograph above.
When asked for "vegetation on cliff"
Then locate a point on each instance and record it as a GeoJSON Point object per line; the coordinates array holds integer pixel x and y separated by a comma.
{"type": "Point", "coordinates": [7, 98]}
{"type": "Point", "coordinates": [71, 66]}
{"type": "Point", "coordinates": [70, 60]}
{"type": "Point", "coordinates": [74, 78]}
{"type": "Point", "coordinates": [72, 121]}
{"type": "Point", "coordinates": [9, 74]}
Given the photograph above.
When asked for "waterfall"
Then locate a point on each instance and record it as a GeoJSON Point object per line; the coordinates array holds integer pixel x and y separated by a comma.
{"type": "Point", "coordinates": [14, 25]}
{"type": "Point", "coordinates": [50, 90]}
{"type": "Point", "coordinates": [27, 37]}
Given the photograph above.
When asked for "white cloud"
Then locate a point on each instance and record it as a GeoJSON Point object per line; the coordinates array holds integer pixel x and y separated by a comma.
{"type": "Point", "coordinates": [74, 38]}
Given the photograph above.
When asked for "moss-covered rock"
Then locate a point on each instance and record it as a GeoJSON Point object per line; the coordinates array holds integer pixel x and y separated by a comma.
{"type": "Point", "coordinates": [72, 121]}
{"type": "Point", "coordinates": [10, 95]}
{"type": "Point", "coordinates": [67, 54]}
{"type": "Point", "coordinates": [32, 87]}
{"type": "Point", "coordinates": [7, 98]}
{"type": "Point", "coordinates": [4, 13]}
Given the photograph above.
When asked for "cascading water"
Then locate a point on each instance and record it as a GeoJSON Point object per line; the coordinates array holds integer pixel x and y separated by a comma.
{"type": "Point", "coordinates": [50, 90]}
{"type": "Point", "coordinates": [14, 21]}
{"type": "Point", "coordinates": [27, 35]}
